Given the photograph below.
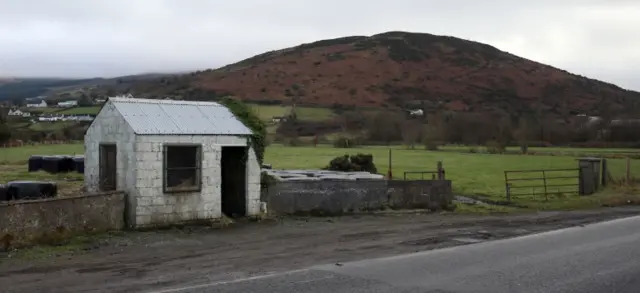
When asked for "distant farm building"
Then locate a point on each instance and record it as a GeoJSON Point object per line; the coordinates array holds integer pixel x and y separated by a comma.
{"type": "Point", "coordinates": [37, 104]}
{"type": "Point", "coordinates": [18, 113]}
{"type": "Point", "coordinates": [417, 112]}
{"type": "Point", "coordinates": [68, 104]}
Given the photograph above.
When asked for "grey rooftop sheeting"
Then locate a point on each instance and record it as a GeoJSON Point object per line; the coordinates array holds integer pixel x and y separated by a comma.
{"type": "Point", "coordinates": [168, 117]}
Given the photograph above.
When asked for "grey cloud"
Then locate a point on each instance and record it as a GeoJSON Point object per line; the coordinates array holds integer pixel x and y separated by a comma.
{"type": "Point", "coordinates": [595, 38]}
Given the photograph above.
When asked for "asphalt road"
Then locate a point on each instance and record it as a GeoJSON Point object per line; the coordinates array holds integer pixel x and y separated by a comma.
{"type": "Point", "coordinates": [602, 257]}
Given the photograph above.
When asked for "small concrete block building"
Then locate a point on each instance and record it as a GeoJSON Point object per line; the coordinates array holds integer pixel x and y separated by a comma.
{"type": "Point", "coordinates": [178, 161]}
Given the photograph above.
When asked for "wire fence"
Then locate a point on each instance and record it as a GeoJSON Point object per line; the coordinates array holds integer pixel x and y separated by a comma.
{"type": "Point", "coordinates": [623, 171]}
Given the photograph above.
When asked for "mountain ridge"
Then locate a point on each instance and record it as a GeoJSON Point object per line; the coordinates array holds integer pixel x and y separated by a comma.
{"type": "Point", "coordinates": [400, 69]}
{"type": "Point", "coordinates": [396, 70]}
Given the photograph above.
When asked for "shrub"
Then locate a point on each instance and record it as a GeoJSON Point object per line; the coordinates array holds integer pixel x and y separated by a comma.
{"type": "Point", "coordinates": [432, 137]}
{"type": "Point", "coordinates": [473, 149]}
{"type": "Point", "coordinates": [244, 113]}
{"type": "Point", "coordinates": [293, 141]}
{"type": "Point", "coordinates": [359, 162]}
{"type": "Point", "coordinates": [495, 147]}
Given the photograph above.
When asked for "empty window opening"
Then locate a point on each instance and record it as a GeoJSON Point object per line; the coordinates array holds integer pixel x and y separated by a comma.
{"type": "Point", "coordinates": [234, 181]}
{"type": "Point", "coordinates": [107, 167]}
{"type": "Point", "coordinates": [182, 168]}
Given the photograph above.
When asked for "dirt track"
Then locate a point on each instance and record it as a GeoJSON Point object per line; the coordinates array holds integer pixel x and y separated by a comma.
{"type": "Point", "coordinates": [148, 261]}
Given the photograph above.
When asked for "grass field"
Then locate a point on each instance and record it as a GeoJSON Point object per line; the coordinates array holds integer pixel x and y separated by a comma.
{"type": "Point", "coordinates": [70, 111]}
{"type": "Point", "coordinates": [51, 126]}
{"type": "Point", "coordinates": [81, 111]}
{"type": "Point", "coordinates": [471, 174]}
{"type": "Point", "coordinates": [563, 150]}
{"type": "Point", "coordinates": [266, 112]}
{"type": "Point", "coordinates": [40, 110]}
{"type": "Point", "coordinates": [45, 126]}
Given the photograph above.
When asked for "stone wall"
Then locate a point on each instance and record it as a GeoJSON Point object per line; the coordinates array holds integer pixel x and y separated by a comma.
{"type": "Point", "coordinates": [334, 197]}
{"type": "Point", "coordinates": [420, 194]}
{"type": "Point", "coordinates": [27, 222]}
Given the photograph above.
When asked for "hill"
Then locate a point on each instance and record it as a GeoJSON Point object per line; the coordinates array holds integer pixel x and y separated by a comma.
{"type": "Point", "coordinates": [21, 88]}
{"type": "Point", "coordinates": [400, 70]}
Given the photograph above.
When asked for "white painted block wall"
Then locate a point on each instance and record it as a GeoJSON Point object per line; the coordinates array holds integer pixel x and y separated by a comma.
{"type": "Point", "coordinates": [110, 127]}
{"type": "Point", "coordinates": [156, 208]}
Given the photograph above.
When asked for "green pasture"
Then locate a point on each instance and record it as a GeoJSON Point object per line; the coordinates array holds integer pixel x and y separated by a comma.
{"type": "Point", "coordinates": [266, 112]}
{"type": "Point", "coordinates": [472, 174]}
{"type": "Point", "coordinates": [81, 111]}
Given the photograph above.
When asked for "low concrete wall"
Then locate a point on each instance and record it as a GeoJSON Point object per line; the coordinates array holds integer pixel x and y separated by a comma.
{"type": "Point", "coordinates": [420, 194]}
{"type": "Point", "coordinates": [334, 197]}
{"type": "Point", "coordinates": [28, 222]}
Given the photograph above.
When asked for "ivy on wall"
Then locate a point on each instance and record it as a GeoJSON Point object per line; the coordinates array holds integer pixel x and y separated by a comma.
{"type": "Point", "coordinates": [244, 113]}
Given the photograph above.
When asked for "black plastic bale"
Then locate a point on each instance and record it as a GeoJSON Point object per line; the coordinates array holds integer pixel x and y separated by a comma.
{"type": "Point", "coordinates": [35, 163]}
{"type": "Point", "coordinates": [65, 164]}
{"type": "Point", "coordinates": [3, 192]}
{"type": "Point", "coordinates": [50, 164]}
{"type": "Point", "coordinates": [78, 164]}
{"type": "Point", "coordinates": [24, 190]}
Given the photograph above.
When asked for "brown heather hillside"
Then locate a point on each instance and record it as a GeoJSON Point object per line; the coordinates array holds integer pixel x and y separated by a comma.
{"type": "Point", "coordinates": [400, 70]}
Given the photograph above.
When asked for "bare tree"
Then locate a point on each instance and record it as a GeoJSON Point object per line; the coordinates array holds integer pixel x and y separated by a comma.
{"type": "Point", "coordinates": [385, 127]}
{"type": "Point", "coordinates": [411, 131]}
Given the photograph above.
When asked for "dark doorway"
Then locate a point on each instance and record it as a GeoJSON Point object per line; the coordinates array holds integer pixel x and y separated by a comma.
{"type": "Point", "coordinates": [234, 181]}
{"type": "Point", "coordinates": [108, 171]}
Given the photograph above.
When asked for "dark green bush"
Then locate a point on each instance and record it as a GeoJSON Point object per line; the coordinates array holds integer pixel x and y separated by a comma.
{"type": "Point", "coordinates": [244, 113]}
{"type": "Point", "coordinates": [359, 162]}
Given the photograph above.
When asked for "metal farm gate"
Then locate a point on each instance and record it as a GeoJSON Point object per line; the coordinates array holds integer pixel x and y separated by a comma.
{"type": "Point", "coordinates": [542, 182]}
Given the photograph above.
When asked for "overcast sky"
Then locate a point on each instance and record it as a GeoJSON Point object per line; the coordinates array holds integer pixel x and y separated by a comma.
{"type": "Point", "coordinates": [82, 38]}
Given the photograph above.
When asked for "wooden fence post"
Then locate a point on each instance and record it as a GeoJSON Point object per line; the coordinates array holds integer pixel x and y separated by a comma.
{"type": "Point", "coordinates": [605, 173]}
{"type": "Point", "coordinates": [389, 172]}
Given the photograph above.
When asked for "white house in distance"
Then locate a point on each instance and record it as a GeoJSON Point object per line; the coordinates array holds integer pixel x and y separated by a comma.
{"type": "Point", "coordinates": [18, 113]}
{"type": "Point", "coordinates": [177, 160]}
{"type": "Point", "coordinates": [68, 104]}
{"type": "Point", "coordinates": [416, 112]}
{"type": "Point", "coordinates": [37, 104]}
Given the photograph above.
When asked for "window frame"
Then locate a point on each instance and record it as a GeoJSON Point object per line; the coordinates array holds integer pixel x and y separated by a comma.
{"type": "Point", "coordinates": [165, 169]}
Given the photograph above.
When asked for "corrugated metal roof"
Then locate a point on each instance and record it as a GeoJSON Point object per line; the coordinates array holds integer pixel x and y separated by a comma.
{"type": "Point", "coordinates": [167, 117]}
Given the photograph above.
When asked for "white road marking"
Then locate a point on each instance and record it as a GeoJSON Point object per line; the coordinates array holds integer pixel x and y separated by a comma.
{"type": "Point", "coordinates": [313, 280]}
{"type": "Point", "coordinates": [201, 286]}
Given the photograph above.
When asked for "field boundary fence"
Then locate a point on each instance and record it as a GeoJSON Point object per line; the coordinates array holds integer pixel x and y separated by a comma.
{"type": "Point", "coordinates": [433, 175]}
{"type": "Point", "coordinates": [542, 182]}
{"type": "Point", "coordinates": [438, 174]}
